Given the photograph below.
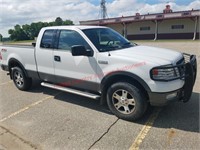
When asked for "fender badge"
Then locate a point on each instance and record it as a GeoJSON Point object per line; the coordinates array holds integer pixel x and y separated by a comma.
{"type": "Point", "coordinates": [102, 62]}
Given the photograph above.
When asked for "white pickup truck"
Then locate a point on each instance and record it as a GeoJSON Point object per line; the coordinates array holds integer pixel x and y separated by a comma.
{"type": "Point", "coordinates": [97, 62]}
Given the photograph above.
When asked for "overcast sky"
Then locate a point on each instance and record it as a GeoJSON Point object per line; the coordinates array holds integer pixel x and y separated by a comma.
{"type": "Point", "coordinates": [21, 12]}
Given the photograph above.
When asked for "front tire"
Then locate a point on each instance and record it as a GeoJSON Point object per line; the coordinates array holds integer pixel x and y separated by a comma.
{"type": "Point", "coordinates": [20, 80]}
{"type": "Point", "coordinates": [126, 101]}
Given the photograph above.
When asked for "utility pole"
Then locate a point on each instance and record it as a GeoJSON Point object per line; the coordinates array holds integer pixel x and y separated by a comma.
{"type": "Point", "coordinates": [103, 9]}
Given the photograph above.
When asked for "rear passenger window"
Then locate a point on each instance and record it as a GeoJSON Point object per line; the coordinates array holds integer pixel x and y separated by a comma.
{"type": "Point", "coordinates": [47, 39]}
{"type": "Point", "coordinates": [69, 38]}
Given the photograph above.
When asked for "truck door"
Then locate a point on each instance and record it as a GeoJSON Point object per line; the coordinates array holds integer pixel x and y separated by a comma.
{"type": "Point", "coordinates": [44, 56]}
{"type": "Point", "coordinates": [74, 71]}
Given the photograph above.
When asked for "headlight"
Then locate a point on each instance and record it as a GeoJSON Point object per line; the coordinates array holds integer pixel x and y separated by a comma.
{"type": "Point", "coordinates": [164, 73]}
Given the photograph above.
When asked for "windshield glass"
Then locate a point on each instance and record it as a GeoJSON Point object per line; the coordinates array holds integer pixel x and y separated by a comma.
{"type": "Point", "coordinates": [106, 39]}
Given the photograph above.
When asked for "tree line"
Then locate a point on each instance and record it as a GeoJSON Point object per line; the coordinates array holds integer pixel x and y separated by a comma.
{"type": "Point", "coordinates": [29, 32]}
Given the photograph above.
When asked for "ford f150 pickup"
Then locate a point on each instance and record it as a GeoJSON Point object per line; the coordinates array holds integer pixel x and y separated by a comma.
{"type": "Point", "coordinates": [97, 62]}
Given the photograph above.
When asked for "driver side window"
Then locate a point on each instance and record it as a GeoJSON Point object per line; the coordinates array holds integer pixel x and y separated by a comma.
{"type": "Point", "coordinates": [69, 38]}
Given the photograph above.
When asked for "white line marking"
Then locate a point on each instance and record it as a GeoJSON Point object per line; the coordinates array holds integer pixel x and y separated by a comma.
{"type": "Point", "coordinates": [146, 128]}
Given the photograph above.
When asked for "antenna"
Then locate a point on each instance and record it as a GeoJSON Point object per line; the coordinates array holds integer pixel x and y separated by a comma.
{"type": "Point", "coordinates": [103, 10]}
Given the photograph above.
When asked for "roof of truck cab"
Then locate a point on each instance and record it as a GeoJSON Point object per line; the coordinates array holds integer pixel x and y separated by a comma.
{"type": "Point", "coordinates": [74, 27]}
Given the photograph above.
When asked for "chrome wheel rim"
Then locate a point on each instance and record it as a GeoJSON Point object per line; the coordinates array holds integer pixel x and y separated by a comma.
{"type": "Point", "coordinates": [18, 78]}
{"type": "Point", "coordinates": [123, 101]}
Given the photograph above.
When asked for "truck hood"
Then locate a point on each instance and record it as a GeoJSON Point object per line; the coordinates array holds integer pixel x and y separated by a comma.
{"type": "Point", "coordinates": [159, 56]}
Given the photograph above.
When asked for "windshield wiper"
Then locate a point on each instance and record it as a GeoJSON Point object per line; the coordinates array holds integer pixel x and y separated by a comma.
{"type": "Point", "coordinates": [110, 48]}
{"type": "Point", "coordinates": [127, 44]}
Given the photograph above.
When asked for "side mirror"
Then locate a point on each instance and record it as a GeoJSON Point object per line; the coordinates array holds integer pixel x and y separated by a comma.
{"type": "Point", "coordinates": [79, 50]}
{"type": "Point", "coordinates": [33, 44]}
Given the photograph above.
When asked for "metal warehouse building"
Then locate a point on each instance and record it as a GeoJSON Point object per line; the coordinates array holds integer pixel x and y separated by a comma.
{"type": "Point", "coordinates": [166, 25]}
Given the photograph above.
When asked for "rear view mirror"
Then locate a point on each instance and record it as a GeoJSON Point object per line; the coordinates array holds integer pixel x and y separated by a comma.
{"type": "Point", "coordinates": [79, 50]}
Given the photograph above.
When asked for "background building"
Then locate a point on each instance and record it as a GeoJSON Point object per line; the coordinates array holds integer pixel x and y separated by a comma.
{"type": "Point", "coordinates": [166, 25]}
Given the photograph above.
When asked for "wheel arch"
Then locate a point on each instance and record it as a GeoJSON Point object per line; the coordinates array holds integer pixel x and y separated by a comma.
{"type": "Point", "coordinates": [15, 63]}
{"type": "Point", "coordinates": [125, 77]}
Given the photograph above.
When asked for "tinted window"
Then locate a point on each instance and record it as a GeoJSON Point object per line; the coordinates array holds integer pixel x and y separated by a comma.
{"type": "Point", "coordinates": [144, 28]}
{"type": "Point", "coordinates": [177, 26]}
{"type": "Point", "coordinates": [47, 39]}
{"type": "Point", "coordinates": [186, 13]}
{"type": "Point", "coordinates": [105, 39]}
{"type": "Point", "coordinates": [69, 38]}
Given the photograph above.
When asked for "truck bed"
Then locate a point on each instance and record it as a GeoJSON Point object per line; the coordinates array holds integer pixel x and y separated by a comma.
{"type": "Point", "coordinates": [25, 54]}
{"type": "Point", "coordinates": [17, 45]}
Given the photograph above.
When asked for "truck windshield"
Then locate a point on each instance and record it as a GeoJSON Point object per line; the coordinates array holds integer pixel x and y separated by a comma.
{"type": "Point", "coordinates": [106, 39]}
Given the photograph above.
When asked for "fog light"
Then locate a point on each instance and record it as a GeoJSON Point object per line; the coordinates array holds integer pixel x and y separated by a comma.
{"type": "Point", "coordinates": [171, 96]}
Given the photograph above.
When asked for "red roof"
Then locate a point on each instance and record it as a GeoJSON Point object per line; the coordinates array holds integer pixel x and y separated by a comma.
{"type": "Point", "coordinates": [136, 18]}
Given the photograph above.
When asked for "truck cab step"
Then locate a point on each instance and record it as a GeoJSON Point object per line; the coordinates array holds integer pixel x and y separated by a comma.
{"type": "Point", "coordinates": [73, 91]}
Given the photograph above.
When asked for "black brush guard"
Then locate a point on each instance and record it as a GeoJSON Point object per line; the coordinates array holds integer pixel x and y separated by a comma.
{"type": "Point", "coordinates": [190, 76]}
{"type": "Point", "coordinates": [187, 68]}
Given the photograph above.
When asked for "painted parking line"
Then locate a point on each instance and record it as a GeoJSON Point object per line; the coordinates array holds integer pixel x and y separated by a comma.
{"type": "Point", "coordinates": [28, 107]}
{"type": "Point", "coordinates": [146, 128]}
{"type": "Point", "coordinates": [5, 83]}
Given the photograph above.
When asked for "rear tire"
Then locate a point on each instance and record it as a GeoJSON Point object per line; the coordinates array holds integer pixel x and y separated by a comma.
{"type": "Point", "coordinates": [126, 101]}
{"type": "Point", "coordinates": [21, 81]}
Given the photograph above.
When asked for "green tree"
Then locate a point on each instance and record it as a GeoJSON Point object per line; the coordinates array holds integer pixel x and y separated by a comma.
{"type": "Point", "coordinates": [12, 34]}
{"type": "Point", "coordinates": [36, 27]}
{"type": "Point", "coordinates": [34, 30]}
{"type": "Point", "coordinates": [68, 22]}
{"type": "Point", "coordinates": [18, 33]}
{"type": "Point", "coordinates": [29, 32]}
{"type": "Point", "coordinates": [58, 21]}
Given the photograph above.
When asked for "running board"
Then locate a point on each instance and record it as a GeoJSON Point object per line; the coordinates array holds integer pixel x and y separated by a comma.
{"type": "Point", "coordinates": [73, 91]}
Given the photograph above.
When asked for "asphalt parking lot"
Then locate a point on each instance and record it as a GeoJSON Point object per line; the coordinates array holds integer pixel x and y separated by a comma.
{"type": "Point", "coordinates": [47, 119]}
